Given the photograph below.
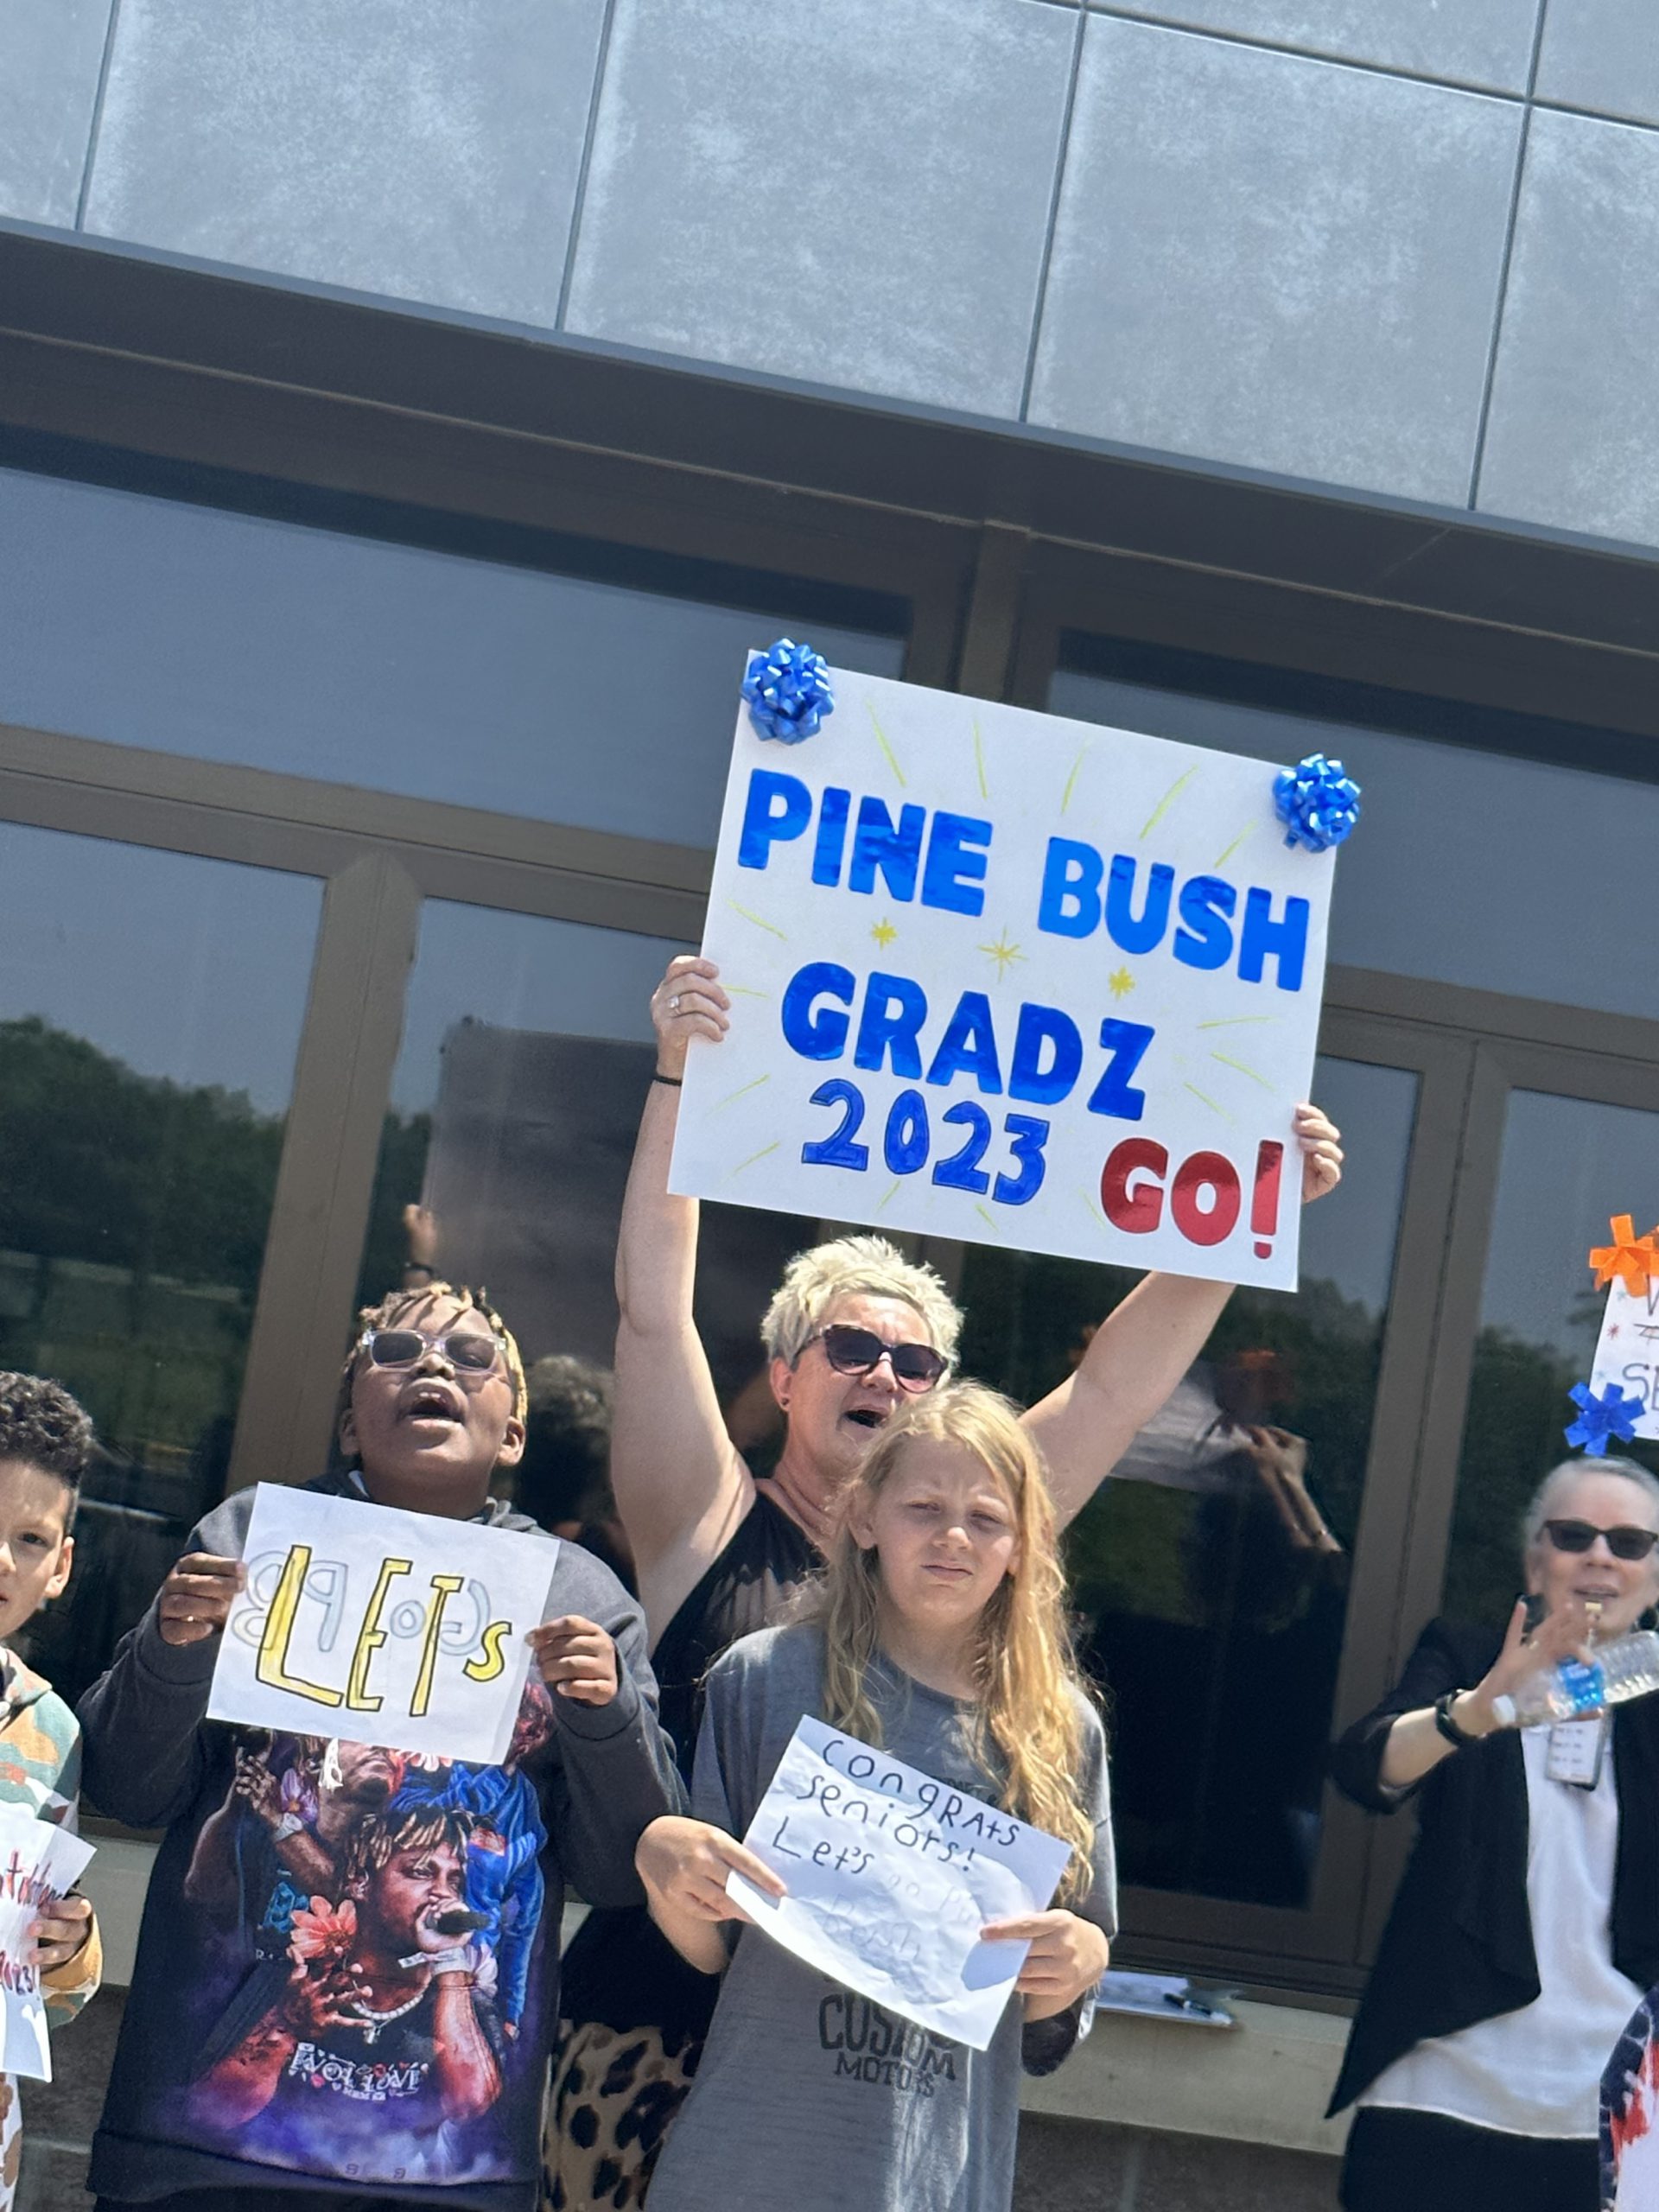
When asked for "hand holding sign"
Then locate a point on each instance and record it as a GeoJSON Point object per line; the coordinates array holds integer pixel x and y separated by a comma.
{"type": "Point", "coordinates": [689, 1003]}
{"type": "Point", "coordinates": [687, 1864]}
{"type": "Point", "coordinates": [1067, 1956]}
{"type": "Point", "coordinates": [577, 1659]}
{"type": "Point", "coordinates": [195, 1600]}
{"type": "Point", "coordinates": [60, 1931]}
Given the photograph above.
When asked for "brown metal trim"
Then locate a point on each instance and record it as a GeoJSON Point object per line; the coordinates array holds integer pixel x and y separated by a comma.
{"type": "Point", "coordinates": [1321, 1937]}
{"type": "Point", "coordinates": [1493, 1013]}
{"type": "Point", "coordinates": [1245, 616]}
{"type": "Point", "coordinates": [440, 463]}
{"type": "Point", "coordinates": [994, 613]}
{"type": "Point", "coordinates": [1444, 1068]}
{"type": "Point", "coordinates": [348, 810]}
{"type": "Point", "coordinates": [320, 1217]}
{"type": "Point", "coordinates": [90, 789]}
{"type": "Point", "coordinates": [432, 368]}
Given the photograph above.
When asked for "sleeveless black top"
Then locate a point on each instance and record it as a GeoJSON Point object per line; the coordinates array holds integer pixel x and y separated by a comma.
{"type": "Point", "coordinates": [620, 1971]}
{"type": "Point", "coordinates": [745, 1587]}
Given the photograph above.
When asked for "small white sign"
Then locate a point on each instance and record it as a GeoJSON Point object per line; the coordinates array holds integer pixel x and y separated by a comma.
{"type": "Point", "coordinates": [404, 1630]}
{"type": "Point", "coordinates": [1001, 977]}
{"type": "Point", "coordinates": [39, 1862]}
{"type": "Point", "coordinates": [1627, 1352]}
{"type": "Point", "coordinates": [890, 1876]}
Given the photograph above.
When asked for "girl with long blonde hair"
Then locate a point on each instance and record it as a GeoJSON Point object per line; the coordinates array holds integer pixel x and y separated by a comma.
{"type": "Point", "coordinates": [937, 1633]}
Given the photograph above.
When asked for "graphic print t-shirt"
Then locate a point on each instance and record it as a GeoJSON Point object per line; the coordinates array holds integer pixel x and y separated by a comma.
{"type": "Point", "coordinates": [850, 2103]}
{"type": "Point", "coordinates": [346, 1970]}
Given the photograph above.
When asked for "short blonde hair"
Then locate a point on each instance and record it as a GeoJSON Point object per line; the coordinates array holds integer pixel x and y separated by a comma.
{"type": "Point", "coordinates": [852, 1267]}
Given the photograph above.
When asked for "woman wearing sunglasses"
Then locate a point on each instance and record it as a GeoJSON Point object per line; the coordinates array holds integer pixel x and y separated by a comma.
{"type": "Point", "coordinates": [1526, 1929]}
{"type": "Point", "coordinates": [854, 1330]}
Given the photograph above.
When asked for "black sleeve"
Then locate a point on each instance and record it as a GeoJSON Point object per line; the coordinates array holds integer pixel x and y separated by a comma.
{"type": "Point", "coordinates": [615, 1772]}
{"type": "Point", "coordinates": [1445, 1658]}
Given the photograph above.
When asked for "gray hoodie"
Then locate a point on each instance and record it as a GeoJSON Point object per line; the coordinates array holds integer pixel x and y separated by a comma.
{"type": "Point", "coordinates": [235, 2066]}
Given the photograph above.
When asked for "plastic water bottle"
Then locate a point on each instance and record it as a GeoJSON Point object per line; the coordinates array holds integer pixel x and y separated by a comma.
{"type": "Point", "coordinates": [1627, 1667]}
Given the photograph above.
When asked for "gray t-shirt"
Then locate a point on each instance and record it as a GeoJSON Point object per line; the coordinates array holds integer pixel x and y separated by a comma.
{"type": "Point", "coordinates": [807, 2096]}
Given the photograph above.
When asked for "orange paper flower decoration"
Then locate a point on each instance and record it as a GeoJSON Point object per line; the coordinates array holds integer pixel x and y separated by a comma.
{"type": "Point", "coordinates": [1633, 1259]}
{"type": "Point", "coordinates": [327, 1932]}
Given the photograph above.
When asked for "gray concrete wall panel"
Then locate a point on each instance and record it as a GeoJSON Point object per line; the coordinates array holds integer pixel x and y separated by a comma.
{"type": "Point", "coordinates": [1276, 262]}
{"type": "Point", "coordinates": [1484, 42]}
{"type": "Point", "coordinates": [1602, 54]}
{"type": "Point", "coordinates": [1573, 437]}
{"type": "Point", "coordinates": [854, 194]}
{"type": "Point", "coordinates": [429, 150]}
{"type": "Point", "coordinates": [51, 55]}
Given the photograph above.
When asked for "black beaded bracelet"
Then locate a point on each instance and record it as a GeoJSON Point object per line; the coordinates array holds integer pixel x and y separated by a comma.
{"type": "Point", "coordinates": [674, 1082]}
{"type": "Point", "coordinates": [1448, 1727]}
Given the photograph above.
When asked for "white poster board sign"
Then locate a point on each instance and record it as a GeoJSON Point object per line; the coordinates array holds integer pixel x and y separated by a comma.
{"type": "Point", "coordinates": [399, 1629]}
{"type": "Point", "coordinates": [1001, 976]}
{"type": "Point", "coordinates": [39, 1862]}
{"type": "Point", "coordinates": [1627, 1352]}
{"type": "Point", "coordinates": [890, 1876]}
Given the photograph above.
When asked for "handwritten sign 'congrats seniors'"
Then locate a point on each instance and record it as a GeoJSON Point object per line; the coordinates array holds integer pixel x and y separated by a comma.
{"type": "Point", "coordinates": [890, 1876]}
{"type": "Point", "coordinates": [1000, 977]}
{"type": "Point", "coordinates": [381, 1627]}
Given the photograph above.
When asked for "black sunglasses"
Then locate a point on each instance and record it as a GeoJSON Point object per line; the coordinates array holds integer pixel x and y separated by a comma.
{"type": "Point", "coordinates": [468, 1350]}
{"type": "Point", "coordinates": [860, 1351]}
{"type": "Point", "coordinates": [1579, 1535]}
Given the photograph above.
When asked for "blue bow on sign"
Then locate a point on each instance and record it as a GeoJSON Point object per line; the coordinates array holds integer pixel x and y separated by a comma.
{"type": "Point", "coordinates": [788, 691]}
{"type": "Point", "coordinates": [1317, 801]}
{"type": "Point", "coordinates": [1611, 1414]}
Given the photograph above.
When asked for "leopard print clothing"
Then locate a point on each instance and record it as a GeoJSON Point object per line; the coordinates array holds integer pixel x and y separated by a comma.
{"type": "Point", "coordinates": [614, 2094]}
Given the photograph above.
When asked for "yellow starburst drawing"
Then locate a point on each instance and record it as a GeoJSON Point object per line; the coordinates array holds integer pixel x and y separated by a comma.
{"type": "Point", "coordinates": [883, 932]}
{"type": "Point", "coordinates": [1003, 953]}
{"type": "Point", "coordinates": [1120, 983]}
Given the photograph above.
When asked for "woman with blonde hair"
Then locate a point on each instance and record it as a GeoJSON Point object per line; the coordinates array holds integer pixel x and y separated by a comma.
{"type": "Point", "coordinates": [938, 1635]}
{"type": "Point", "coordinates": [855, 1332]}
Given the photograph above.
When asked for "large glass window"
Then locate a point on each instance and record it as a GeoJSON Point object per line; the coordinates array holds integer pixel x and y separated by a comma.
{"type": "Point", "coordinates": [235, 638]}
{"type": "Point", "coordinates": [150, 1011]}
{"type": "Point", "coordinates": [1451, 834]}
{"type": "Point", "coordinates": [1567, 1166]}
{"type": "Point", "coordinates": [527, 1051]}
{"type": "Point", "coordinates": [1210, 1571]}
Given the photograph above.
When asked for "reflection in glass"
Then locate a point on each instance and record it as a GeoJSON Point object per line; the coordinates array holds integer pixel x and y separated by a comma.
{"type": "Point", "coordinates": [527, 1051]}
{"type": "Point", "coordinates": [1414, 893]}
{"type": "Point", "coordinates": [356, 660]}
{"type": "Point", "coordinates": [1211, 1573]}
{"type": "Point", "coordinates": [1567, 1166]}
{"type": "Point", "coordinates": [150, 1010]}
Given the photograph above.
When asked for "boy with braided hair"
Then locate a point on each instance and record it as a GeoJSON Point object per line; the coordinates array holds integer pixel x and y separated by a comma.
{"type": "Point", "coordinates": [387, 2041]}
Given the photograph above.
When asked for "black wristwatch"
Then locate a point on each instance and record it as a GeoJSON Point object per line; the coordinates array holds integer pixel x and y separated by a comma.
{"type": "Point", "coordinates": [1448, 1727]}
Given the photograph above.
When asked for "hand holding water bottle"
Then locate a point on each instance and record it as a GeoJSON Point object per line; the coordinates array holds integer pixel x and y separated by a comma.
{"type": "Point", "coordinates": [1527, 1660]}
{"type": "Point", "coordinates": [1559, 1673]}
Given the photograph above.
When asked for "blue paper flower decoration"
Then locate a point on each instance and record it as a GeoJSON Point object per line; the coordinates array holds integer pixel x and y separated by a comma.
{"type": "Point", "coordinates": [1611, 1414]}
{"type": "Point", "coordinates": [1317, 801]}
{"type": "Point", "coordinates": [788, 691]}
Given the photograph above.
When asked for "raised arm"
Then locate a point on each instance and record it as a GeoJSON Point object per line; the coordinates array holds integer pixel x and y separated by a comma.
{"type": "Point", "coordinates": [681, 1487]}
{"type": "Point", "coordinates": [1140, 1351]}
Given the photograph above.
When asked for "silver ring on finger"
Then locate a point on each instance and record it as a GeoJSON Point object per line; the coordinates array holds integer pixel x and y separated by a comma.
{"type": "Point", "coordinates": [674, 1003]}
